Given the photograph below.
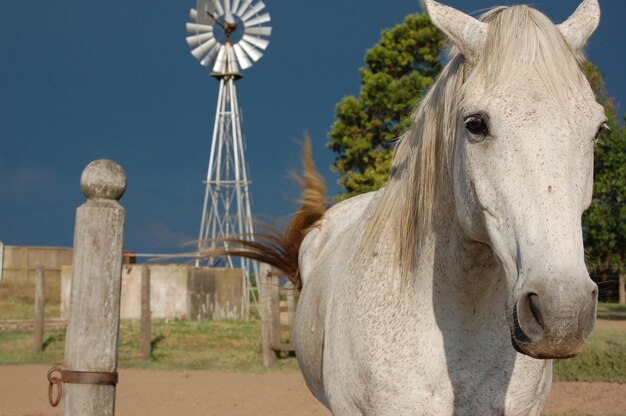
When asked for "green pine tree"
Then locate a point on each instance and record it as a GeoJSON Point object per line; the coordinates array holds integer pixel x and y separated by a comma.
{"type": "Point", "coordinates": [604, 223]}
{"type": "Point", "coordinates": [399, 69]}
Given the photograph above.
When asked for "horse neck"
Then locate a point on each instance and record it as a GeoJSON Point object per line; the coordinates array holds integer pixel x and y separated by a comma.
{"type": "Point", "coordinates": [463, 276]}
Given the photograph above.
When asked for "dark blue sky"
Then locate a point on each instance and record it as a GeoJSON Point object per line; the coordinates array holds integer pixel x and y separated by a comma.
{"type": "Point", "coordinates": [83, 80]}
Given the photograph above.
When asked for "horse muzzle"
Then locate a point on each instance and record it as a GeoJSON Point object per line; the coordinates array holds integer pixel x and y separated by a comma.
{"type": "Point", "coordinates": [553, 323]}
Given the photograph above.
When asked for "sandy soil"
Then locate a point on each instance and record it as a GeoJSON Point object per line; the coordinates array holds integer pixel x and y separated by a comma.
{"type": "Point", "coordinates": [23, 392]}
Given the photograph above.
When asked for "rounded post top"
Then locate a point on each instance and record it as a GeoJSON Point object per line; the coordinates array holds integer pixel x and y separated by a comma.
{"type": "Point", "coordinates": [103, 179]}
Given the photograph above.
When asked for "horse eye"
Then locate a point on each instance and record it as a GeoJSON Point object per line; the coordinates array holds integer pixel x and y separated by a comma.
{"type": "Point", "coordinates": [601, 130]}
{"type": "Point", "coordinates": [476, 125]}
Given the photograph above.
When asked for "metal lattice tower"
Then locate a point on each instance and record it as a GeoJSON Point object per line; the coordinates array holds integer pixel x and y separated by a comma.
{"type": "Point", "coordinates": [227, 35]}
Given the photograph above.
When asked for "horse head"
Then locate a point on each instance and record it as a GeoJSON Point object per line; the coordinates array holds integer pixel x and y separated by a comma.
{"type": "Point", "coordinates": [522, 165]}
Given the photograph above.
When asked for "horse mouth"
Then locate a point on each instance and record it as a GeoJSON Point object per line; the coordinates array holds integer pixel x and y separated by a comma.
{"type": "Point", "coordinates": [544, 347]}
{"type": "Point", "coordinates": [530, 350]}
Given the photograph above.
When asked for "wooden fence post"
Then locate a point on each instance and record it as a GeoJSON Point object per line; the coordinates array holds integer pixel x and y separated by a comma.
{"type": "Point", "coordinates": [274, 303]}
{"type": "Point", "coordinates": [1, 260]}
{"type": "Point", "coordinates": [93, 324]}
{"type": "Point", "coordinates": [268, 311]}
{"type": "Point", "coordinates": [39, 310]}
{"type": "Point", "coordinates": [291, 308]}
{"type": "Point", "coordinates": [146, 332]}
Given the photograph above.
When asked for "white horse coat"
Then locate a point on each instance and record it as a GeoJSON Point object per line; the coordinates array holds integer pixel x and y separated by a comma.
{"type": "Point", "coordinates": [448, 291]}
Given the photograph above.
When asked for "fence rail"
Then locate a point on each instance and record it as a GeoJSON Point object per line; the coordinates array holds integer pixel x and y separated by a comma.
{"type": "Point", "coordinates": [25, 325]}
{"type": "Point", "coordinates": [276, 300]}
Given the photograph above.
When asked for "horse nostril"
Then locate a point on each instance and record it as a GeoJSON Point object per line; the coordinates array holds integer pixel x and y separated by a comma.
{"type": "Point", "coordinates": [530, 318]}
{"type": "Point", "coordinates": [534, 309]}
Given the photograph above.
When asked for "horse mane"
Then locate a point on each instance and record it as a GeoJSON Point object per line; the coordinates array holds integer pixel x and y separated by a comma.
{"type": "Point", "coordinates": [520, 41]}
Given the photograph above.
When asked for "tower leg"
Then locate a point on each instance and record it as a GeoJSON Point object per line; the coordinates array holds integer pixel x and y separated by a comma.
{"type": "Point", "coordinates": [226, 212]}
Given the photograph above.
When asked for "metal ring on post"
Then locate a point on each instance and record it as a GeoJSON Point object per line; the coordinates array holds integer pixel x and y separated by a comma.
{"type": "Point", "coordinates": [54, 402]}
{"type": "Point", "coordinates": [76, 377]}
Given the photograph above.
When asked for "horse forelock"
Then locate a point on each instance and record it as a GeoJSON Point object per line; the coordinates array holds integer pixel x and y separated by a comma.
{"type": "Point", "coordinates": [521, 42]}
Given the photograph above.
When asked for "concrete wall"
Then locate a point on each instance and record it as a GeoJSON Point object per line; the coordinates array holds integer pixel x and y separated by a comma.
{"type": "Point", "coordinates": [176, 291]}
{"type": "Point", "coordinates": [20, 262]}
{"type": "Point", "coordinates": [216, 293]}
{"type": "Point", "coordinates": [168, 291]}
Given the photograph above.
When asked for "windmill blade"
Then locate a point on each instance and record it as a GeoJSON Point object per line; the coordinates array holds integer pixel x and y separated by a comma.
{"type": "Point", "coordinates": [203, 8]}
{"type": "Point", "coordinates": [207, 11]}
{"type": "Point", "coordinates": [224, 10]}
{"type": "Point", "coordinates": [198, 28]}
{"type": "Point", "coordinates": [259, 31]}
{"type": "Point", "coordinates": [250, 50]}
{"type": "Point", "coordinates": [234, 67]}
{"type": "Point", "coordinates": [243, 59]}
{"type": "Point", "coordinates": [244, 7]}
{"type": "Point", "coordinates": [228, 14]}
{"type": "Point", "coordinates": [196, 40]}
{"type": "Point", "coordinates": [258, 42]}
{"type": "Point", "coordinates": [226, 58]}
{"type": "Point", "coordinates": [201, 50]}
{"type": "Point", "coordinates": [211, 55]}
{"type": "Point", "coordinates": [264, 18]}
{"type": "Point", "coordinates": [217, 6]}
{"type": "Point", "coordinates": [231, 60]}
{"type": "Point", "coordinates": [253, 10]}
{"type": "Point", "coordinates": [220, 62]}
{"type": "Point", "coordinates": [234, 6]}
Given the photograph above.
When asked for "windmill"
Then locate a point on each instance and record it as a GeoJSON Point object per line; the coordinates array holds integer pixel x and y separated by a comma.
{"type": "Point", "coordinates": [227, 36]}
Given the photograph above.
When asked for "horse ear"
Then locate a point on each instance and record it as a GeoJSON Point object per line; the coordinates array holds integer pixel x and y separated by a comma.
{"type": "Point", "coordinates": [580, 25]}
{"type": "Point", "coordinates": [467, 34]}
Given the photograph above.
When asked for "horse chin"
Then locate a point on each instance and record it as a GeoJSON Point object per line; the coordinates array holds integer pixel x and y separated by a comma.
{"type": "Point", "coordinates": [545, 347]}
{"type": "Point", "coordinates": [544, 352]}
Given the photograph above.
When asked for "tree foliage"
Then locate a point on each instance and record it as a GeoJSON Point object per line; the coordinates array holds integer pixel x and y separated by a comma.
{"type": "Point", "coordinates": [399, 69]}
{"type": "Point", "coordinates": [605, 220]}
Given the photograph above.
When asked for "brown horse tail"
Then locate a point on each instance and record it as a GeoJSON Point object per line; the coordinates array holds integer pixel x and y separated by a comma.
{"type": "Point", "coordinates": [281, 249]}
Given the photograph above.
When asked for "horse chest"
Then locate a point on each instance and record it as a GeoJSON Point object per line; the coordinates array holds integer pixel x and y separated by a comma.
{"type": "Point", "coordinates": [388, 363]}
{"type": "Point", "coordinates": [368, 347]}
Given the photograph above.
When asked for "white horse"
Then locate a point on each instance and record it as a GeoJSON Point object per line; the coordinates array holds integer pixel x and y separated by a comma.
{"type": "Point", "coordinates": [448, 291]}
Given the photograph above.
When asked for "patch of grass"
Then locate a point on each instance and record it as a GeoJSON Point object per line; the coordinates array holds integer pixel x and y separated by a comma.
{"type": "Point", "coordinates": [612, 306]}
{"type": "Point", "coordinates": [16, 348]}
{"type": "Point", "coordinates": [17, 298]}
{"type": "Point", "coordinates": [614, 311]}
{"type": "Point", "coordinates": [603, 359]}
{"type": "Point", "coordinates": [214, 345]}
{"type": "Point", "coordinates": [236, 345]}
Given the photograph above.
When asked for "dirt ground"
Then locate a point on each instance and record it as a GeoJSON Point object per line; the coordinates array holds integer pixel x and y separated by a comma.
{"type": "Point", "coordinates": [23, 392]}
